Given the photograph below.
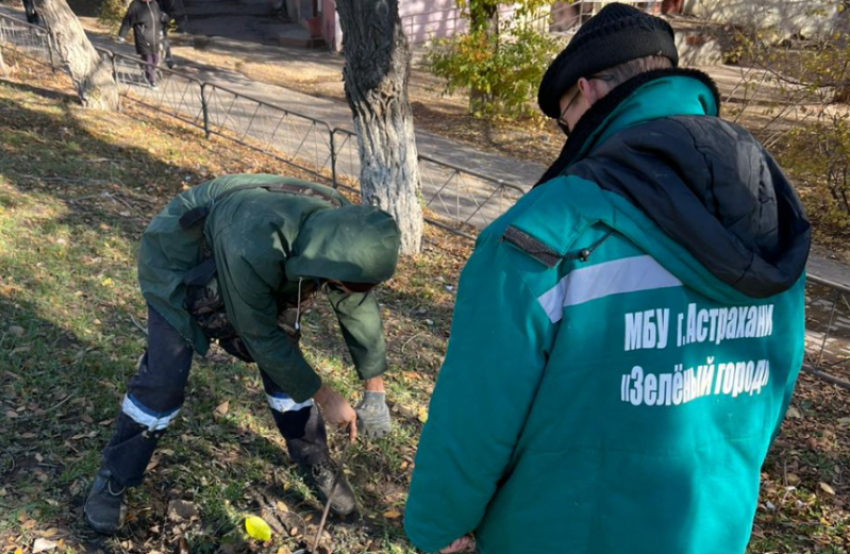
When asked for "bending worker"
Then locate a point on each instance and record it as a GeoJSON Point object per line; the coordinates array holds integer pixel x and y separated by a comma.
{"type": "Point", "coordinates": [236, 260]}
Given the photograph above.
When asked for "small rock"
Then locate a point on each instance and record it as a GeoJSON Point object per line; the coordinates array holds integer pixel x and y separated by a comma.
{"type": "Point", "coordinates": [770, 506]}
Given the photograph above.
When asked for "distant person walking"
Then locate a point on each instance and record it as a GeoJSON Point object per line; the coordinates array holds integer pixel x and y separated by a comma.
{"type": "Point", "coordinates": [146, 20]}
{"type": "Point", "coordinates": [32, 15]}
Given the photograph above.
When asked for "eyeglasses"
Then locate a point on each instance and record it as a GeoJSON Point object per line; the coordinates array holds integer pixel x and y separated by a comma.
{"type": "Point", "coordinates": [562, 123]}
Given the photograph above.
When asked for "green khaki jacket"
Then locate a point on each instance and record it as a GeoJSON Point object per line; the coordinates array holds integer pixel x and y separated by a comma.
{"type": "Point", "coordinates": [264, 242]}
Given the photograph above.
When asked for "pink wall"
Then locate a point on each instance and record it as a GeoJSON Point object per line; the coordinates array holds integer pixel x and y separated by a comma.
{"type": "Point", "coordinates": [422, 20]}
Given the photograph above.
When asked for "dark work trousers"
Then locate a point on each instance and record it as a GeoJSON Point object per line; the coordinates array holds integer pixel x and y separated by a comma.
{"type": "Point", "coordinates": [166, 47]}
{"type": "Point", "coordinates": [32, 15]}
{"type": "Point", "coordinates": [151, 61]}
{"type": "Point", "coordinates": [155, 395]}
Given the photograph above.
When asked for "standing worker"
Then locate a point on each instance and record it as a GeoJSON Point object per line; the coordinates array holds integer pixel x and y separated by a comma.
{"type": "Point", "coordinates": [627, 337]}
{"type": "Point", "coordinates": [237, 260]}
{"type": "Point", "coordinates": [145, 18]}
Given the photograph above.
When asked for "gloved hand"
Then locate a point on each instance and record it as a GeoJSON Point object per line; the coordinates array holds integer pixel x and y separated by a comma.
{"type": "Point", "coordinates": [373, 414]}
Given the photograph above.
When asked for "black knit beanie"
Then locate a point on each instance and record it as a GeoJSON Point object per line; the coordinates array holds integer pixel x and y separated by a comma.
{"type": "Point", "coordinates": [617, 34]}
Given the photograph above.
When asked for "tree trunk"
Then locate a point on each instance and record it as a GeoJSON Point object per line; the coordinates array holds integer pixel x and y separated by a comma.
{"type": "Point", "coordinates": [91, 75]}
{"type": "Point", "coordinates": [376, 74]}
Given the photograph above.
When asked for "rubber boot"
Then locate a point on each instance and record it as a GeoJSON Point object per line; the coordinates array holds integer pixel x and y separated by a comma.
{"type": "Point", "coordinates": [105, 510]}
{"type": "Point", "coordinates": [321, 476]}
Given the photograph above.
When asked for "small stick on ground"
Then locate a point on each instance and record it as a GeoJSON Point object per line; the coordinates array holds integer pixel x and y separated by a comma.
{"type": "Point", "coordinates": [327, 510]}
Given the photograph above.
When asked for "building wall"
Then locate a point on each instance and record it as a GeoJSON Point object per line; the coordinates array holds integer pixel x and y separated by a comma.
{"type": "Point", "coordinates": [784, 17]}
{"type": "Point", "coordinates": [422, 20]}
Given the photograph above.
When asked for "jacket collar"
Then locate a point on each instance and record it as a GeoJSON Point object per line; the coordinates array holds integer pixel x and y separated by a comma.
{"type": "Point", "coordinates": [651, 95]}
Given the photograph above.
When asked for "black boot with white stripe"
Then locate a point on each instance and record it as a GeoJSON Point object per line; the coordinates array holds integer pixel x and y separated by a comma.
{"type": "Point", "coordinates": [105, 510]}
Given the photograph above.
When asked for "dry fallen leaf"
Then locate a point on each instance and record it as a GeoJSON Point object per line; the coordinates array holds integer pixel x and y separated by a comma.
{"type": "Point", "coordinates": [392, 514]}
{"type": "Point", "coordinates": [826, 488]}
{"type": "Point", "coordinates": [793, 413]}
{"type": "Point", "coordinates": [223, 408]}
{"type": "Point", "coordinates": [179, 510]}
{"type": "Point", "coordinates": [42, 545]}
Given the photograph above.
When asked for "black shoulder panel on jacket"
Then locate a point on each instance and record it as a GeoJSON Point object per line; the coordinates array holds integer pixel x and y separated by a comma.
{"type": "Point", "coordinates": [711, 187]}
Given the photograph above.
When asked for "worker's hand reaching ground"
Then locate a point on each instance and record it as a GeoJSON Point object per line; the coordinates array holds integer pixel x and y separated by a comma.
{"type": "Point", "coordinates": [373, 414]}
{"type": "Point", "coordinates": [336, 410]}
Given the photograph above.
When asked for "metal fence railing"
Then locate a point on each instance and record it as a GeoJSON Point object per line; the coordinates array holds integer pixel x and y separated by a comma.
{"type": "Point", "coordinates": [346, 157]}
{"type": "Point", "coordinates": [176, 94]}
{"type": "Point", "coordinates": [300, 140]}
{"type": "Point", "coordinates": [828, 330]}
{"type": "Point", "coordinates": [465, 198]}
{"type": "Point", "coordinates": [30, 41]}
